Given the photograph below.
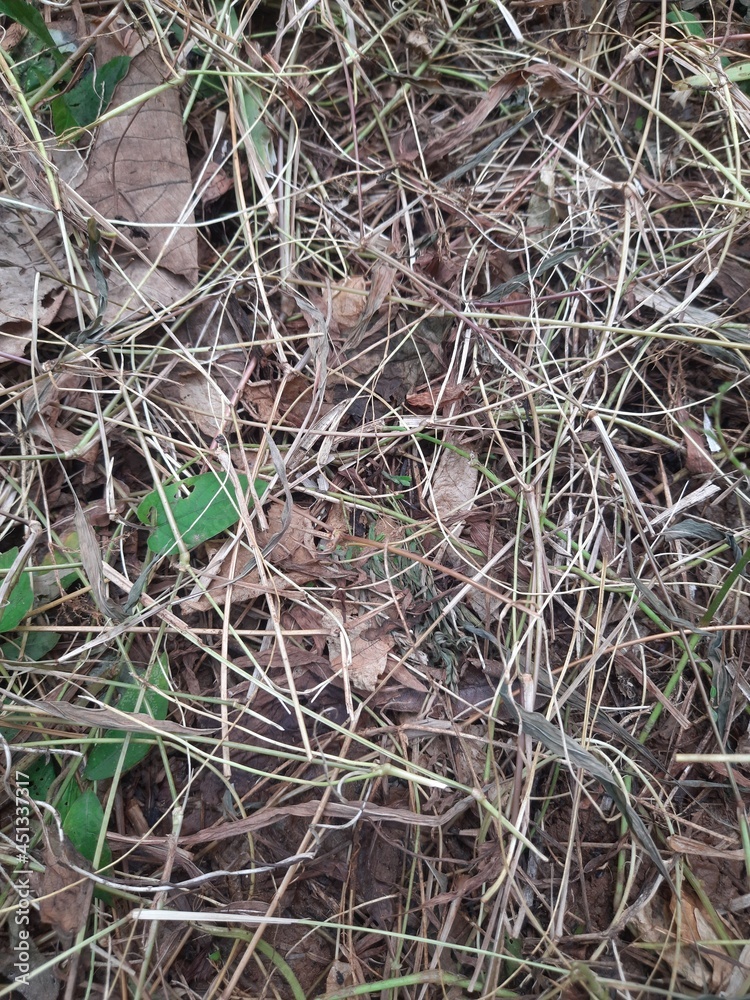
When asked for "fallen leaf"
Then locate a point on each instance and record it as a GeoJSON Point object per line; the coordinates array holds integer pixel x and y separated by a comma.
{"type": "Point", "coordinates": [339, 977]}
{"type": "Point", "coordinates": [370, 647]}
{"type": "Point", "coordinates": [428, 398]}
{"type": "Point", "coordinates": [32, 272]}
{"type": "Point", "coordinates": [204, 402]}
{"type": "Point", "coordinates": [295, 555]}
{"type": "Point", "coordinates": [64, 894]}
{"type": "Point", "coordinates": [453, 488]}
{"type": "Point", "coordinates": [139, 177]}
{"type": "Point", "coordinates": [138, 170]}
{"type": "Point", "coordinates": [286, 403]}
{"type": "Point", "coordinates": [348, 301]}
{"type": "Point", "coordinates": [704, 967]}
{"type": "Point", "coordinates": [418, 41]}
{"type": "Point", "coordinates": [738, 981]}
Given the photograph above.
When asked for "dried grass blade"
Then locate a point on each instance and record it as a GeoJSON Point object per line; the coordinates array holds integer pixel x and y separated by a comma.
{"type": "Point", "coordinates": [93, 566]}
{"type": "Point", "coordinates": [566, 748]}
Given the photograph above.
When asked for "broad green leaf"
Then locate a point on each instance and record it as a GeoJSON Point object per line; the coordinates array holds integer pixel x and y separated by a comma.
{"type": "Point", "coordinates": [202, 507]}
{"type": "Point", "coordinates": [35, 647]}
{"type": "Point", "coordinates": [92, 94]}
{"type": "Point", "coordinates": [69, 795]}
{"type": "Point", "coordinates": [687, 20]}
{"type": "Point", "coordinates": [20, 598]}
{"type": "Point", "coordinates": [41, 774]}
{"type": "Point", "coordinates": [62, 119]}
{"type": "Point", "coordinates": [104, 759]}
{"type": "Point", "coordinates": [83, 826]}
{"type": "Point", "coordinates": [31, 19]}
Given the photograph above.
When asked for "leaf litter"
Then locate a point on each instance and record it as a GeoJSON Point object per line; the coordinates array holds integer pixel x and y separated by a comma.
{"type": "Point", "coordinates": [391, 365]}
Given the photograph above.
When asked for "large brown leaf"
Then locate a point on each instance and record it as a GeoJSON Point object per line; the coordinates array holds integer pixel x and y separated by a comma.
{"type": "Point", "coordinates": [139, 177]}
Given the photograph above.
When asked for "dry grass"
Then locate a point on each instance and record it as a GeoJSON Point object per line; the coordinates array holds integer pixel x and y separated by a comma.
{"type": "Point", "coordinates": [460, 708]}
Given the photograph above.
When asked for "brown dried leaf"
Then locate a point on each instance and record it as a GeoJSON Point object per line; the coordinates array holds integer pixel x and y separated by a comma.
{"type": "Point", "coordinates": [206, 405]}
{"type": "Point", "coordinates": [93, 566]}
{"type": "Point", "coordinates": [418, 41]}
{"type": "Point", "coordinates": [370, 646]}
{"type": "Point", "coordinates": [138, 169]}
{"type": "Point", "coordinates": [289, 407]}
{"type": "Point", "coordinates": [697, 459]}
{"type": "Point", "coordinates": [426, 399]}
{"type": "Point", "coordinates": [705, 968]}
{"type": "Point", "coordinates": [29, 246]}
{"type": "Point", "coordinates": [65, 896]}
{"type": "Point", "coordinates": [340, 976]}
{"type": "Point", "coordinates": [295, 555]}
{"type": "Point", "coordinates": [348, 301]}
{"type": "Point", "coordinates": [13, 34]}
{"type": "Point", "coordinates": [453, 487]}
{"type": "Point", "coordinates": [138, 174]}
{"type": "Point", "coordinates": [64, 441]}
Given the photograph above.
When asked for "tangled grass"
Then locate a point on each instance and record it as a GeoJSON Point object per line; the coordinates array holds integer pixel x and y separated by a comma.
{"type": "Point", "coordinates": [451, 310]}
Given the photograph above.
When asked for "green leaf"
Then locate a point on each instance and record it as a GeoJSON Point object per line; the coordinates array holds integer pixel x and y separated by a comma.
{"type": "Point", "coordinates": [62, 120]}
{"type": "Point", "coordinates": [254, 101]}
{"type": "Point", "coordinates": [104, 759]}
{"type": "Point", "coordinates": [688, 21]}
{"type": "Point", "coordinates": [31, 19]}
{"type": "Point", "coordinates": [41, 774]}
{"type": "Point", "coordinates": [69, 795]}
{"type": "Point", "coordinates": [36, 646]}
{"type": "Point", "coordinates": [21, 596]}
{"type": "Point", "coordinates": [83, 826]}
{"type": "Point", "coordinates": [92, 94]}
{"type": "Point", "coordinates": [209, 508]}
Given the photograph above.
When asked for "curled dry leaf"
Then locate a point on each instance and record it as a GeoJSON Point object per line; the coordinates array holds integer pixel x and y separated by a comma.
{"type": "Point", "coordinates": [418, 41]}
{"type": "Point", "coordinates": [93, 565]}
{"type": "Point", "coordinates": [704, 967]}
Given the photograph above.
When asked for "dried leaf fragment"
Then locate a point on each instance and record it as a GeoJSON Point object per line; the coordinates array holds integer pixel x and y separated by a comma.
{"type": "Point", "coordinates": [65, 895]}
{"type": "Point", "coordinates": [370, 646]}
{"type": "Point", "coordinates": [348, 302]}
{"type": "Point", "coordinates": [453, 487]}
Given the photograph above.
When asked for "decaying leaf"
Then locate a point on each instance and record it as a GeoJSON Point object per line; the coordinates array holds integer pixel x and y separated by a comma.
{"type": "Point", "coordinates": [204, 402]}
{"type": "Point", "coordinates": [705, 967]}
{"type": "Point", "coordinates": [64, 894]}
{"type": "Point", "coordinates": [287, 403]}
{"type": "Point", "coordinates": [348, 300]}
{"type": "Point", "coordinates": [138, 173]}
{"type": "Point", "coordinates": [93, 566]}
{"type": "Point", "coordinates": [33, 272]}
{"type": "Point", "coordinates": [340, 977]}
{"type": "Point", "coordinates": [370, 647]}
{"type": "Point", "coordinates": [453, 487]}
{"type": "Point", "coordinates": [295, 555]}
